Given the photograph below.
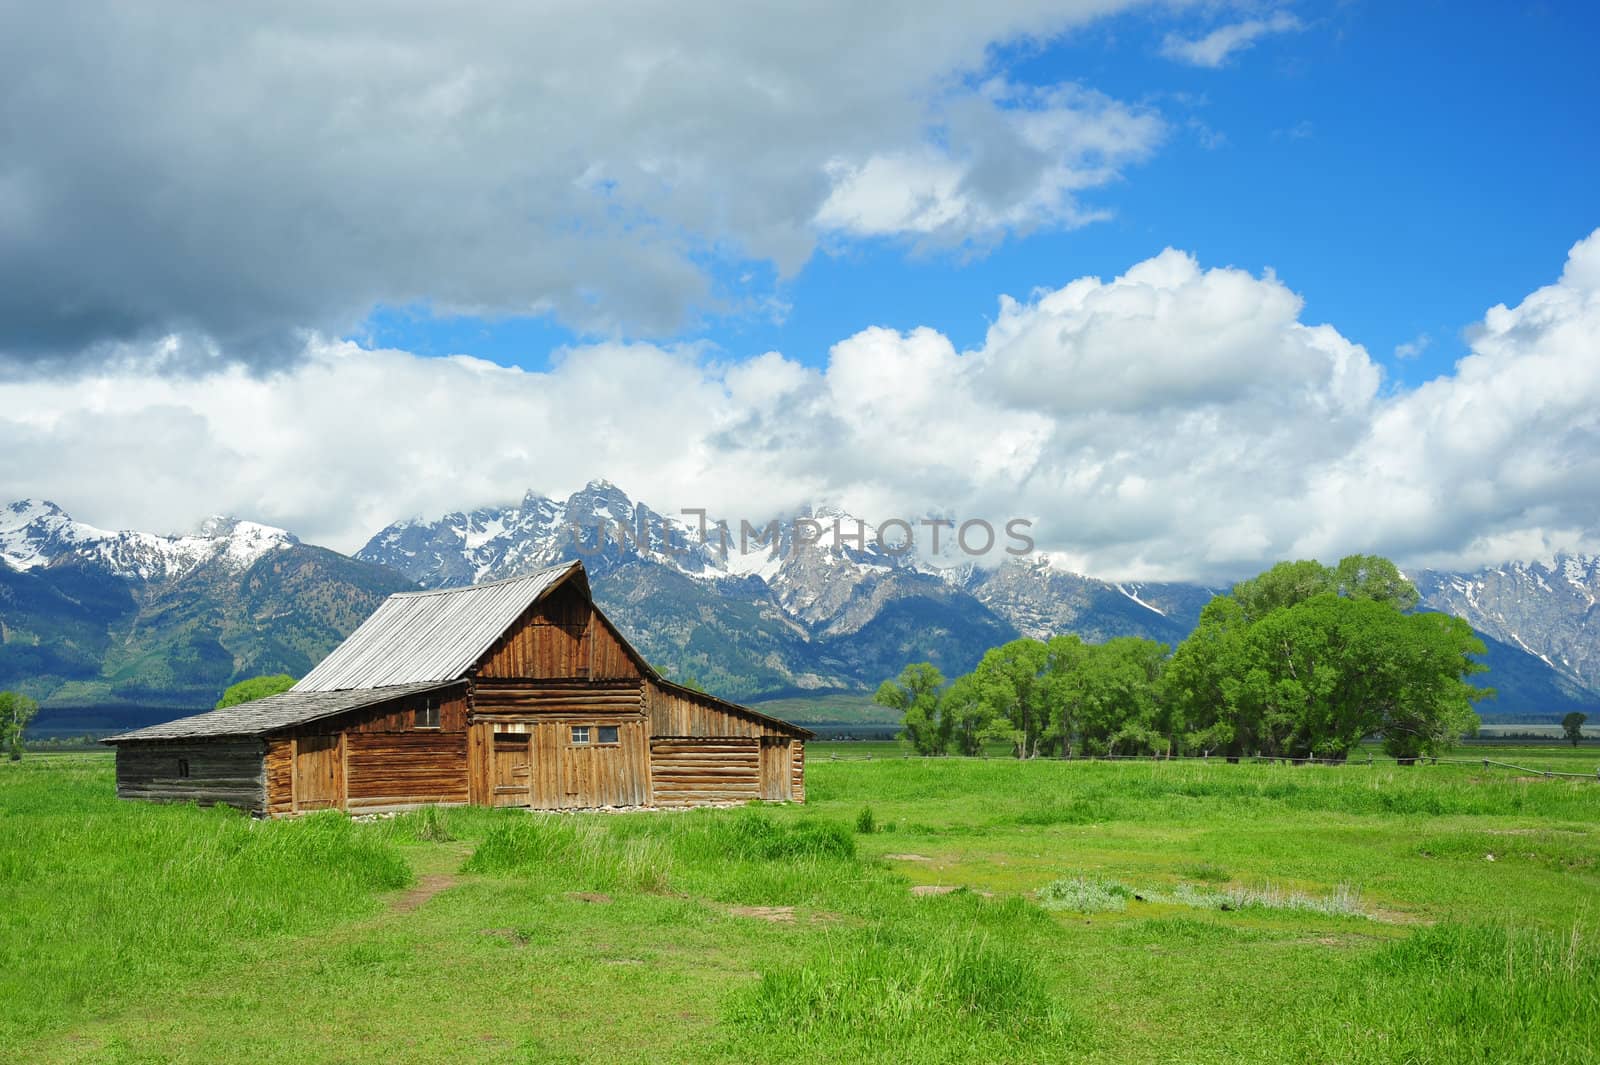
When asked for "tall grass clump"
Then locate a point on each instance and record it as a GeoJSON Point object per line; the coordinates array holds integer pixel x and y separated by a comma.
{"type": "Point", "coordinates": [577, 853]}
{"type": "Point", "coordinates": [951, 996]}
{"type": "Point", "coordinates": [1343, 901]}
{"type": "Point", "coordinates": [430, 824]}
{"type": "Point", "coordinates": [1085, 894]}
{"type": "Point", "coordinates": [1468, 993]}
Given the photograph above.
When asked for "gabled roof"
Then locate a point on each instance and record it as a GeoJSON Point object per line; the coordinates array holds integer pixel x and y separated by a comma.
{"type": "Point", "coordinates": [415, 637]}
{"type": "Point", "coordinates": [283, 710]}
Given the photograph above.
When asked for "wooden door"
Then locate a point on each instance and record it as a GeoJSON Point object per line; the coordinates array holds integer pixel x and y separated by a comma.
{"type": "Point", "coordinates": [318, 780]}
{"type": "Point", "coordinates": [513, 769]}
{"type": "Point", "coordinates": [777, 768]}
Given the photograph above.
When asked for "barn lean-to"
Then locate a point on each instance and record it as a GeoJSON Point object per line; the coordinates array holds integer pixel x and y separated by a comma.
{"type": "Point", "coordinates": [516, 693]}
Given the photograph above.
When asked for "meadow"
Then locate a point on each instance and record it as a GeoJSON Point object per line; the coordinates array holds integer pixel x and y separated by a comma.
{"type": "Point", "coordinates": [914, 910]}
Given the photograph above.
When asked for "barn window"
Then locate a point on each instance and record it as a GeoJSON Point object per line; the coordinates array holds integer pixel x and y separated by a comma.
{"type": "Point", "coordinates": [183, 767]}
{"type": "Point", "coordinates": [608, 734]}
{"type": "Point", "coordinates": [427, 715]}
{"type": "Point", "coordinates": [580, 733]}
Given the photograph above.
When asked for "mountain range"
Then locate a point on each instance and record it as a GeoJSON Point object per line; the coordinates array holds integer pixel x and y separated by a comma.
{"type": "Point", "coordinates": [111, 628]}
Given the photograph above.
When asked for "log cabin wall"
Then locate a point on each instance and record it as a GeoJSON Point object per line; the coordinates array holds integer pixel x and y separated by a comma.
{"type": "Point", "coordinates": [224, 770]}
{"type": "Point", "coordinates": [560, 637]}
{"type": "Point", "coordinates": [378, 758]}
{"type": "Point", "coordinates": [797, 790]}
{"type": "Point", "coordinates": [712, 769]}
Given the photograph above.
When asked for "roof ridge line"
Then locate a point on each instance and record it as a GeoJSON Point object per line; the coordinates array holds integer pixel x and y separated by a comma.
{"type": "Point", "coordinates": [541, 571]}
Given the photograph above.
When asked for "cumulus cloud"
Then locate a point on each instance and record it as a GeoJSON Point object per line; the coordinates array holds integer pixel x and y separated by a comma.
{"type": "Point", "coordinates": [1177, 421]}
{"type": "Point", "coordinates": [1007, 159]}
{"type": "Point", "coordinates": [237, 182]}
{"type": "Point", "coordinates": [1215, 48]}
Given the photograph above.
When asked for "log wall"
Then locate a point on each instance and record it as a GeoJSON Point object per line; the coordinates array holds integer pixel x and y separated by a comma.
{"type": "Point", "coordinates": [688, 772]}
{"type": "Point", "coordinates": [379, 758]}
{"type": "Point", "coordinates": [228, 771]}
{"type": "Point", "coordinates": [388, 769]}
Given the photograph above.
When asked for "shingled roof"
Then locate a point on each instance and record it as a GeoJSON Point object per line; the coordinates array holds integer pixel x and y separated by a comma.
{"type": "Point", "coordinates": [430, 636]}
{"type": "Point", "coordinates": [283, 710]}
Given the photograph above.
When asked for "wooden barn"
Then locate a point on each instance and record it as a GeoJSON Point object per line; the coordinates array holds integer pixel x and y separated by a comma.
{"type": "Point", "coordinates": [517, 693]}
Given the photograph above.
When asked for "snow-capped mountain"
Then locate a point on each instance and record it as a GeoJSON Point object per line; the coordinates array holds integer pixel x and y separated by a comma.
{"type": "Point", "coordinates": [1548, 608]}
{"type": "Point", "coordinates": [841, 608]}
{"type": "Point", "coordinates": [93, 619]}
{"type": "Point", "coordinates": [36, 533]}
{"type": "Point", "coordinates": [752, 616]}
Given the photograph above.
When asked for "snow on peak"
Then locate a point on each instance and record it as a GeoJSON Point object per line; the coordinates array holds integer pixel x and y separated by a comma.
{"type": "Point", "coordinates": [35, 533]}
{"type": "Point", "coordinates": [1134, 595]}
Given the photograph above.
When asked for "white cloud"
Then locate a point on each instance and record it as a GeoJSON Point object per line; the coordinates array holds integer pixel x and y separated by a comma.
{"type": "Point", "coordinates": [1215, 48]}
{"type": "Point", "coordinates": [1009, 159]}
{"type": "Point", "coordinates": [1413, 347]}
{"type": "Point", "coordinates": [245, 178]}
{"type": "Point", "coordinates": [1175, 421]}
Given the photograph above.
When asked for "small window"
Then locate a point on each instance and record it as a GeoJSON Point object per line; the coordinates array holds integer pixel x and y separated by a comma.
{"type": "Point", "coordinates": [580, 734]}
{"type": "Point", "coordinates": [183, 767]}
{"type": "Point", "coordinates": [608, 734]}
{"type": "Point", "coordinates": [427, 715]}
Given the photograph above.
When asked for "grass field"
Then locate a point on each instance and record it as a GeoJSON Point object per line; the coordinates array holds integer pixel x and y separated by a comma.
{"type": "Point", "coordinates": [1103, 912]}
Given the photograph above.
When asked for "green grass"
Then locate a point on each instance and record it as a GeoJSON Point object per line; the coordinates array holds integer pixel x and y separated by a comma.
{"type": "Point", "coordinates": [1102, 912]}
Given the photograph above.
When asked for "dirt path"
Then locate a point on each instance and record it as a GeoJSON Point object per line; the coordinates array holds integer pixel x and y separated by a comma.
{"type": "Point", "coordinates": [426, 888]}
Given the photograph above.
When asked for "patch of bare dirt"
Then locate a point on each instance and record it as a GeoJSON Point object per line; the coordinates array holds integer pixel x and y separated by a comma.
{"type": "Point", "coordinates": [777, 914]}
{"type": "Point", "coordinates": [588, 896]}
{"type": "Point", "coordinates": [908, 858]}
{"type": "Point", "coordinates": [510, 935]}
{"type": "Point", "coordinates": [934, 889]}
{"type": "Point", "coordinates": [426, 888]}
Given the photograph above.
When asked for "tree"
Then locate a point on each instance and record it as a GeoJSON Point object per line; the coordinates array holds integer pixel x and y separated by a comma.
{"type": "Point", "coordinates": [915, 693]}
{"type": "Point", "coordinates": [967, 717]}
{"type": "Point", "coordinates": [1202, 682]}
{"type": "Point", "coordinates": [1572, 725]}
{"type": "Point", "coordinates": [255, 688]}
{"type": "Point", "coordinates": [16, 710]}
{"type": "Point", "coordinates": [1376, 578]}
{"type": "Point", "coordinates": [1124, 711]}
{"type": "Point", "coordinates": [1010, 681]}
{"type": "Point", "coordinates": [1064, 692]}
{"type": "Point", "coordinates": [1307, 659]}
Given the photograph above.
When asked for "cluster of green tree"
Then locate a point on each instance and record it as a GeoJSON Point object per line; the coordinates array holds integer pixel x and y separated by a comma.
{"type": "Point", "coordinates": [16, 710]}
{"type": "Point", "coordinates": [1572, 727]}
{"type": "Point", "coordinates": [1305, 660]}
{"type": "Point", "coordinates": [255, 688]}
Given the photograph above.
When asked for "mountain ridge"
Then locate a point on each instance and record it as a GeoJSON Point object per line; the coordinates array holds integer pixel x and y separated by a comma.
{"type": "Point", "coordinates": [91, 618]}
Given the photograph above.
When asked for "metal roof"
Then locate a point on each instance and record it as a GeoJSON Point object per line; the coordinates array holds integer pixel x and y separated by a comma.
{"type": "Point", "coordinates": [430, 636]}
{"type": "Point", "coordinates": [274, 712]}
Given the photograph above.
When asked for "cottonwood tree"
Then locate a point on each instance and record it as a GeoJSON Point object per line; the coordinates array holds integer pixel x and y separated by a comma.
{"type": "Point", "coordinates": [1010, 681]}
{"type": "Point", "coordinates": [1307, 659]}
{"type": "Point", "coordinates": [16, 710]}
{"type": "Point", "coordinates": [915, 693]}
{"type": "Point", "coordinates": [1124, 709]}
{"type": "Point", "coordinates": [255, 688]}
{"type": "Point", "coordinates": [968, 718]}
{"type": "Point", "coordinates": [1572, 726]}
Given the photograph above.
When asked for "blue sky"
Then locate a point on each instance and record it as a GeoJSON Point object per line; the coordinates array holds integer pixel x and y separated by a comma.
{"type": "Point", "coordinates": [1402, 167]}
{"type": "Point", "coordinates": [755, 258]}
